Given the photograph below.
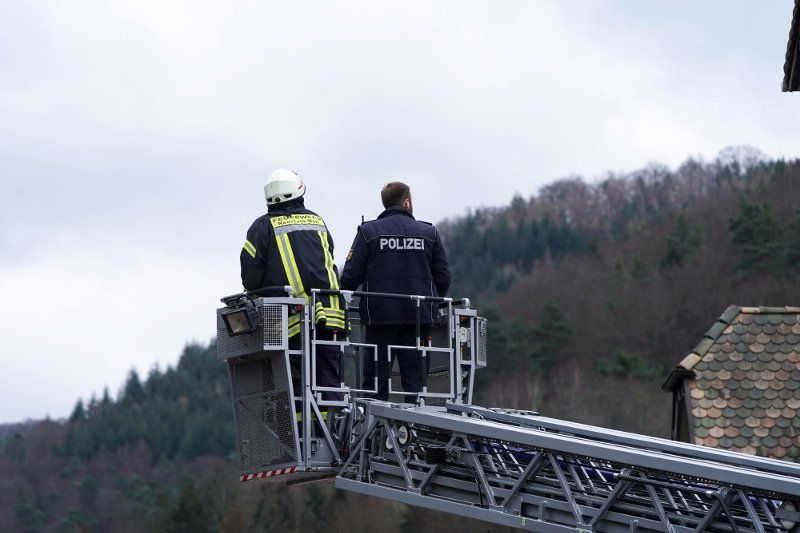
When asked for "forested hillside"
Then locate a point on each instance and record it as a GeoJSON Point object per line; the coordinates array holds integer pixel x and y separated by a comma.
{"type": "Point", "coordinates": [161, 458]}
{"type": "Point", "coordinates": [593, 290]}
{"type": "Point", "coordinates": [598, 290]}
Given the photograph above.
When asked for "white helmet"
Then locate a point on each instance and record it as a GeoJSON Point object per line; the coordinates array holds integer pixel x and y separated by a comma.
{"type": "Point", "coordinates": [282, 186]}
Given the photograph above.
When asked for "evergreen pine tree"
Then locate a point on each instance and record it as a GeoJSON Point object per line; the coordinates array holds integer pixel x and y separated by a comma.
{"type": "Point", "coordinates": [756, 238]}
{"type": "Point", "coordinates": [530, 244]}
{"type": "Point", "coordinates": [133, 391]}
{"type": "Point", "coordinates": [30, 515]}
{"type": "Point", "coordinates": [190, 514]}
{"type": "Point", "coordinates": [78, 412]}
{"type": "Point", "coordinates": [552, 334]}
{"type": "Point", "coordinates": [791, 252]}
{"type": "Point", "coordinates": [681, 243]}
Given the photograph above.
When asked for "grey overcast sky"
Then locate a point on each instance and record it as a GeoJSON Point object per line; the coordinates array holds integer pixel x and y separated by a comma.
{"type": "Point", "coordinates": [135, 138]}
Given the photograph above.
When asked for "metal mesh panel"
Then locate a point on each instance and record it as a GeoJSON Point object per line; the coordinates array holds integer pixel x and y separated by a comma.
{"type": "Point", "coordinates": [265, 432]}
{"type": "Point", "coordinates": [480, 324]}
{"type": "Point", "coordinates": [264, 416]}
{"type": "Point", "coordinates": [273, 330]}
{"type": "Point", "coordinates": [438, 381]}
{"type": "Point", "coordinates": [228, 346]}
{"type": "Point", "coordinates": [272, 335]}
{"type": "Point", "coordinates": [252, 378]}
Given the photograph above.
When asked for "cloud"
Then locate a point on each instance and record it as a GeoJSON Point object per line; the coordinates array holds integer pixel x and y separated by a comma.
{"type": "Point", "coordinates": [81, 313]}
{"type": "Point", "coordinates": [135, 138]}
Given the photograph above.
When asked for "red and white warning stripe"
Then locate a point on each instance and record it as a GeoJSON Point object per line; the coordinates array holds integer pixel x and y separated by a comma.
{"type": "Point", "coordinates": [269, 473]}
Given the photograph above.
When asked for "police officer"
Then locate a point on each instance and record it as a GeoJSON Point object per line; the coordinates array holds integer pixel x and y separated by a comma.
{"type": "Point", "coordinates": [290, 245]}
{"type": "Point", "coordinates": [396, 254]}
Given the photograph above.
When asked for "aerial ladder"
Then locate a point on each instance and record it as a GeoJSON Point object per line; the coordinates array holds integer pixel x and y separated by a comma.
{"type": "Point", "coordinates": [504, 466]}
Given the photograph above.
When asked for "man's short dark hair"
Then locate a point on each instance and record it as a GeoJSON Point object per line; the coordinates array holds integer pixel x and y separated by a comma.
{"type": "Point", "coordinates": [395, 193]}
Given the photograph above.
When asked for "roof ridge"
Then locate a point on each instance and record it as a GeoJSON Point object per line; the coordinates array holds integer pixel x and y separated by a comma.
{"type": "Point", "coordinates": [713, 333]}
{"type": "Point", "coordinates": [723, 325]}
{"type": "Point", "coordinates": [789, 309]}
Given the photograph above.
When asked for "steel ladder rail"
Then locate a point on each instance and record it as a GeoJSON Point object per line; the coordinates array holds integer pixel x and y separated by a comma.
{"type": "Point", "coordinates": [513, 474]}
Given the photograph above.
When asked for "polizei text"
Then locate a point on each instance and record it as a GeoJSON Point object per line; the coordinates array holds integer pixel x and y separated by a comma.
{"type": "Point", "coordinates": [402, 243]}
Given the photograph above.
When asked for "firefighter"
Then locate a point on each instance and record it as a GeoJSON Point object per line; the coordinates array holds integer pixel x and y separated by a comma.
{"type": "Point", "coordinates": [290, 245]}
{"type": "Point", "coordinates": [396, 254]}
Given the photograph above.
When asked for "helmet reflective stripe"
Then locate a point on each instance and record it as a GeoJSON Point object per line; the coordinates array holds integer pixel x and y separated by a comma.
{"type": "Point", "coordinates": [282, 186]}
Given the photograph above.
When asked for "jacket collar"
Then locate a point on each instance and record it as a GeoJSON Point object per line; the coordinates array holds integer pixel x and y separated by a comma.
{"type": "Point", "coordinates": [395, 210]}
{"type": "Point", "coordinates": [292, 206]}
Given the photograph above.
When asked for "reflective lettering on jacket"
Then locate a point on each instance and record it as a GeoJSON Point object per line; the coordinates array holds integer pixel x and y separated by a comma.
{"type": "Point", "coordinates": [401, 244]}
{"type": "Point", "coordinates": [286, 222]}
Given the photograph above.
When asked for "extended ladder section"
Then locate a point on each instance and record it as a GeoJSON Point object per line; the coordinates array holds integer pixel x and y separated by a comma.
{"type": "Point", "coordinates": [522, 470]}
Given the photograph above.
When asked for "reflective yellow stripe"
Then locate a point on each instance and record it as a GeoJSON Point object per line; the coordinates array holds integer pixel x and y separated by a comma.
{"type": "Point", "coordinates": [294, 324]}
{"type": "Point", "coordinates": [334, 283]}
{"type": "Point", "coordinates": [319, 313]}
{"type": "Point", "coordinates": [290, 266]}
{"type": "Point", "coordinates": [249, 248]}
{"type": "Point", "coordinates": [336, 323]}
{"type": "Point", "coordinates": [323, 413]}
{"type": "Point", "coordinates": [295, 271]}
{"type": "Point", "coordinates": [333, 280]}
{"type": "Point", "coordinates": [336, 318]}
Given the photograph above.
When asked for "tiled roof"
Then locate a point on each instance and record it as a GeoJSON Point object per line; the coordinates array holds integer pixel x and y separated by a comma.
{"type": "Point", "coordinates": [745, 394]}
{"type": "Point", "coordinates": [791, 67]}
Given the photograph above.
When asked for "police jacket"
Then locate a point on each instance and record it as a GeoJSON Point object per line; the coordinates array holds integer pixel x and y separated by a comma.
{"type": "Point", "coordinates": [290, 245]}
{"type": "Point", "coordinates": [396, 254]}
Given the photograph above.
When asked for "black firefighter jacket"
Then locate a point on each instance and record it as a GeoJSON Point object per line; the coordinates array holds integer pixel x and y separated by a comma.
{"type": "Point", "coordinates": [290, 245]}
